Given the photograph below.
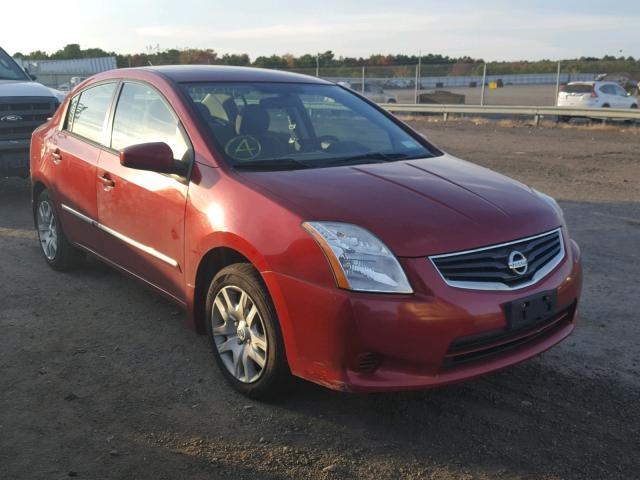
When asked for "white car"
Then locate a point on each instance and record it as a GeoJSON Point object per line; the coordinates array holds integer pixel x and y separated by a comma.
{"type": "Point", "coordinates": [595, 95]}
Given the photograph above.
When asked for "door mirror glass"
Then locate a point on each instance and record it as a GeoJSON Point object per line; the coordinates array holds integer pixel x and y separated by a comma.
{"type": "Point", "coordinates": [153, 156]}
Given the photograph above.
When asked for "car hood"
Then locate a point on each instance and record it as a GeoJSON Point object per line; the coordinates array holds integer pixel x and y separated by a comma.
{"type": "Point", "coordinates": [26, 88]}
{"type": "Point", "coordinates": [417, 207]}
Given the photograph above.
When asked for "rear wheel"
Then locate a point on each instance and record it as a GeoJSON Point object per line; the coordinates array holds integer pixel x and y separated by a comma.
{"type": "Point", "coordinates": [57, 251]}
{"type": "Point", "coordinates": [635, 105]}
{"type": "Point", "coordinates": [245, 334]}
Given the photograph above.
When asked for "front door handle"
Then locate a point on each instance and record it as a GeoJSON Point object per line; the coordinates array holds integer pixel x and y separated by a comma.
{"type": "Point", "coordinates": [56, 156]}
{"type": "Point", "coordinates": [107, 182]}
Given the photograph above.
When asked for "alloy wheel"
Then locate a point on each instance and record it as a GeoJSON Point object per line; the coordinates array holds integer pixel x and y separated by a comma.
{"type": "Point", "coordinates": [239, 334]}
{"type": "Point", "coordinates": [47, 230]}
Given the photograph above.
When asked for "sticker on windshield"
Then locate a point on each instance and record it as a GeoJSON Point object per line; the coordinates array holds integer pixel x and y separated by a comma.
{"type": "Point", "coordinates": [243, 147]}
{"type": "Point", "coordinates": [409, 144]}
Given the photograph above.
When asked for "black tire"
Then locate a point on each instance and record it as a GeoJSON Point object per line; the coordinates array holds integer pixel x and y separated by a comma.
{"type": "Point", "coordinates": [634, 106]}
{"type": "Point", "coordinates": [275, 377]}
{"type": "Point", "coordinates": [606, 105]}
{"type": "Point", "coordinates": [564, 119]}
{"type": "Point", "coordinates": [66, 256]}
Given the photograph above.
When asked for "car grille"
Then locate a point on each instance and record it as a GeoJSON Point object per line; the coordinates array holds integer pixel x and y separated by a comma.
{"type": "Point", "coordinates": [488, 268]}
{"type": "Point", "coordinates": [30, 112]}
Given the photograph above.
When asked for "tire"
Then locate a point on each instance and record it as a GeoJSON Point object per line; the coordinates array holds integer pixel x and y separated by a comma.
{"type": "Point", "coordinates": [248, 348]}
{"type": "Point", "coordinates": [564, 119]}
{"type": "Point", "coordinates": [634, 106]}
{"type": "Point", "coordinates": [606, 105]}
{"type": "Point", "coordinates": [56, 249]}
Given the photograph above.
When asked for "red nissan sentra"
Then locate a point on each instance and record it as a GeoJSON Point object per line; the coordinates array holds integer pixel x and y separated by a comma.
{"type": "Point", "coordinates": [304, 229]}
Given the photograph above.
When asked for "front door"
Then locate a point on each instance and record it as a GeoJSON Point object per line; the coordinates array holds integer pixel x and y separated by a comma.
{"type": "Point", "coordinates": [143, 211]}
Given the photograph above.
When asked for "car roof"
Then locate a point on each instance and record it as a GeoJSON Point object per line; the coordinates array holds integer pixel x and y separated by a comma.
{"type": "Point", "coordinates": [223, 73]}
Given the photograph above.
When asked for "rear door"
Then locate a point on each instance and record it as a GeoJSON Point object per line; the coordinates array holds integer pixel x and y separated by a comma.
{"type": "Point", "coordinates": [143, 211]}
{"type": "Point", "coordinates": [72, 158]}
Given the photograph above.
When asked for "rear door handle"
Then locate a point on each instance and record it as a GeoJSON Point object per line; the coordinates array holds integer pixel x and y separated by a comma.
{"type": "Point", "coordinates": [107, 182]}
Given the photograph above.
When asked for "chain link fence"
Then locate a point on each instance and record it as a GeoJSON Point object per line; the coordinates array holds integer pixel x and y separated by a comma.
{"type": "Point", "coordinates": [459, 83]}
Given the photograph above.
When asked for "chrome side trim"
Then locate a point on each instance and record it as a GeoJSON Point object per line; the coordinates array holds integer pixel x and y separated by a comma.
{"type": "Point", "coordinates": [81, 216]}
{"type": "Point", "coordinates": [539, 275]}
{"type": "Point", "coordinates": [140, 246]}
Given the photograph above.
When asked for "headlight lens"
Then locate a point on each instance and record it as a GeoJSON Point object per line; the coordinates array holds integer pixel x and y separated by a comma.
{"type": "Point", "coordinates": [551, 201]}
{"type": "Point", "coordinates": [359, 260]}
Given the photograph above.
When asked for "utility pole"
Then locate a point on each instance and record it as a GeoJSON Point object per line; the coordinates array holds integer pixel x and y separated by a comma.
{"type": "Point", "coordinates": [318, 65]}
{"type": "Point", "coordinates": [557, 86]}
{"type": "Point", "coordinates": [484, 82]}
{"type": "Point", "coordinates": [418, 77]}
{"type": "Point", "coordinates": [362, 80]}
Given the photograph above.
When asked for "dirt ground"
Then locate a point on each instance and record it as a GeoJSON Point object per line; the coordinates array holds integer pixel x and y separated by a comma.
{"type": "Point", "coordinates": [100, 379]}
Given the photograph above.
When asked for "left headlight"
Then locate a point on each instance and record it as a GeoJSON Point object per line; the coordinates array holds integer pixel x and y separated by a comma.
{"type": "Point", "coordinates": [550, 200]}
{"type": "Point", "coordinates": [359, 260]}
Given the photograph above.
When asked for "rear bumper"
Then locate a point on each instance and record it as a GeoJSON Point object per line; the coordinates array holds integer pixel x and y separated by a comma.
{"type": "Point", "coordinates": [14, 158]}
{"type": "Point", "coordinates": [369, 342]}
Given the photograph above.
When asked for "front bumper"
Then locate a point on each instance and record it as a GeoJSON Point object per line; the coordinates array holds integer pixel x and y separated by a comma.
{"type": "Point", "coordinates": [14, 157]}
{"type": "Point", "coordinates": [370, 342]}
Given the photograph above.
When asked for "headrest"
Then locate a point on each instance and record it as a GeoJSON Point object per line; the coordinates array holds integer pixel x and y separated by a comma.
{"type": "Point", "coordinates": [252, 120]}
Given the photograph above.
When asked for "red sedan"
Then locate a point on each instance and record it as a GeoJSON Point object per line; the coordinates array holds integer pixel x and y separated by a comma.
{"type": "Point", "coordinates": [304, 229]}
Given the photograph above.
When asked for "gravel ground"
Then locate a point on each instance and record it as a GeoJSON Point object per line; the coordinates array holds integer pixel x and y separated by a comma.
{"type": "Point", "coordinates": [100, 379]}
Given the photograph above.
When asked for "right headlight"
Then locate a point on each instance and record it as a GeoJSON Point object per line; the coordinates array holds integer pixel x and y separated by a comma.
{"type": "Point", "coordinates": [359, 260]}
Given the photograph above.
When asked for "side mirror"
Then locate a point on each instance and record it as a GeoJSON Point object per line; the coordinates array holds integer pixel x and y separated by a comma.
{"type": "Point", "coordinates": [154, 156]}
{"type": "Point", "coordinates": [32, 76]}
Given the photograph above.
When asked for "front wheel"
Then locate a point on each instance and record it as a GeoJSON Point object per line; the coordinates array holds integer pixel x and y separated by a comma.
{"type": "Point", "coordinates": [57, 251]}
{"type": "Point", "coordinates": [244, 332]}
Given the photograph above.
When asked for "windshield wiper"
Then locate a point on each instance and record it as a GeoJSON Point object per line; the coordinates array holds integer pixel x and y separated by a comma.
{"type": "Point", "coordinates": [386, 157]}
{"type": "Point", "coordinates": [275, 164]}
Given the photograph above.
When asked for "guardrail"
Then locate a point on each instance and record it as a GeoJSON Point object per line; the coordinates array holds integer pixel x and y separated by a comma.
{"type": "Point", "coordinates": [536, 112]}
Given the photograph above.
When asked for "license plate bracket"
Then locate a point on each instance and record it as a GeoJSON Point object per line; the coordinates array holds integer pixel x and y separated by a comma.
{"type": "Point", "coordinates": [532, 310]}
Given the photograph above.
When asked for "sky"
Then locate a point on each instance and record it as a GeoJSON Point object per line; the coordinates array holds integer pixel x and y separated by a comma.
{"type": "Point", "coordinates": [488, 29]}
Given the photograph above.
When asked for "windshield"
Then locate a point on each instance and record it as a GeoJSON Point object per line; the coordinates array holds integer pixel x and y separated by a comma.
{"type": "Point", "coordinates": [9, 70]}
{"type": "Point", "coordinates": [292, 125]}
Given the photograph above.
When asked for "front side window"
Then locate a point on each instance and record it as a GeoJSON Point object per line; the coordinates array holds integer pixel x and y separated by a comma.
{"type": "Point", "coordinates": [621, 91]}
{"type": "Point", "coordinates": [88, 111]}
{"type": "Point", "coordinates": [142, 116]}
{"type": "Point", "coordinates": [295, 125]}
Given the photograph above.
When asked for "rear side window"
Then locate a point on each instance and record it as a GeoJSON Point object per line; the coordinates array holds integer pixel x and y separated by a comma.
{"type": "Point", "coordinates": [142, 116]}
{"type": "Point", "coordinates": [608, 89]}
{"type": "Point", "coordinates": [88, 112]}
